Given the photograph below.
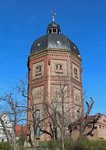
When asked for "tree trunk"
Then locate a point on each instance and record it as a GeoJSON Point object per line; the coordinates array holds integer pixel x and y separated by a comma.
{"type": "Point", "coordinates": [63, 128]}
{"type": "Point", "coordinates": [32, 137]}
{"type": "Point", "coordinates": [14, 141]}
{"type": "Point", "coordinates": [62, 140]}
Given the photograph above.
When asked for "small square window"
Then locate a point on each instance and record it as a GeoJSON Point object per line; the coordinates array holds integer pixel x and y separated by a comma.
{"type": "Point", "coordinates": [38, 69]}
{"type": "Point", "coordinates": [59, 66]}
{"type": "Point", "coordinates": [56, 67]}
{"type": "Point", "coordinates": [6, 122]}
{"type": "Point", "coordinates": [2, 140]}
{"type": "Point", "coordinates": [75, 71]}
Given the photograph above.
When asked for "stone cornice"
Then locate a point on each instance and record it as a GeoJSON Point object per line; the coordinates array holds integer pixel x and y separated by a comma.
{"type": "Point", "coordinates": [76, 82]}
{"type": "Point", "coordinates": [66, 53]}
{"type": "Point", "coordinates": [38, 80]}
{"type": "Point", "coordinates": [55, 79]}
{"type": "Point", "coordinates": [54, 52]}
{"type": "Point", "coordinates": [65, 79]}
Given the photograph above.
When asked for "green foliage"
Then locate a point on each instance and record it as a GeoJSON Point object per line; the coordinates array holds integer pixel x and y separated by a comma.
{"type": "Point", "coordinates": [69, 144]}
{"type": "Point", "coordinates": [5, 146]}
{"type": "Point", "coordinates": [98, 145]}
{"type": "Point", "coordinates": [50, 145]}
{"type": "Point", "coordinates": [81, 143]}
{"type": "Point", "coordinates": [43, 145]}
{"type": "Point", "coordinates": [21, 141]}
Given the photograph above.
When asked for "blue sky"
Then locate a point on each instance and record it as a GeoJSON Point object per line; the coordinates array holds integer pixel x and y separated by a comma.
{"type": "Point", "coordinates": [83, 21]}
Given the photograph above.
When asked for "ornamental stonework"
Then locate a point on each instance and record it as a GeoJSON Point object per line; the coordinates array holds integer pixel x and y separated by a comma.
{"type": "Point", "coordinates": [38, 94]}
{"type": "Point", "coordinates": [77, 112]}
{"type": "Point", "coordinates": [77, 96]}
{"type": "Point", "coordinates": [38, 70]}
{"type": "Point", "coordinates": [59, 92]}
{"type": "Point", "coordinates": [58, 68]}
{"type": "Point", "coordinates": [75, 72]}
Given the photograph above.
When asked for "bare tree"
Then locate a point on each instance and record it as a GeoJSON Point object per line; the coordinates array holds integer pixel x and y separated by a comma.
{"type": "Point", "coordinates": [83, 121]}
{"type": "Point", "coordinates": [58, 114]}
{"type": "Point", "coordinates": [59, 118]}
{"type": "Point", "coordinates": [55, 113]}
{"type": "Point", "coordinates": [15, 108]}
{"type": "Point", "coordinates": [32, 121]}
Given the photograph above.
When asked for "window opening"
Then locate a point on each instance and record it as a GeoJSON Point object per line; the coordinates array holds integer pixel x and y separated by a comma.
{"type": "Point", "coordinates": [75, 71]}
{"type": "Point", "coordinates": [54, 30]}
{"type": "Point", "coordinates": [38, 69]}
{"type": "Point", "coordinates": [59, 67]}
{"type": "Point", "coordinates": [56, 67]}
{"type": "Point", "coordinates": [6, 122]}
{"type": "Point", "coordinates": [78, 113]}
{"type": "Point", "coordinates": [50, 31]}
{"type": "Point", "coordinates": [37, 114]}
{"type": "Point", "coordinates": [38, 132]}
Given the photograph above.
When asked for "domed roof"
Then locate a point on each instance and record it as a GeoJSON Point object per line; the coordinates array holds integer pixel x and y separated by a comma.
{"type": "Point", "coordinates": [53, 39]}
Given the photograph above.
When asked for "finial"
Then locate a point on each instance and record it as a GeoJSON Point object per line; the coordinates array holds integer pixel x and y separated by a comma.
{"type": "Point", "coordinates": [53, 15]}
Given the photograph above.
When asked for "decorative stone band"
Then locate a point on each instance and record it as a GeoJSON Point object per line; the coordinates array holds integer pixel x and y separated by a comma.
{"type": "Point", "coordinates": [54, 52]}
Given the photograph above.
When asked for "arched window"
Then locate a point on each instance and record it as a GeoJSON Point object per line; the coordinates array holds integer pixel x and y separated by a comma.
{"type": "Point", "coordinates": [50, 31]}
{"type": "Point", "coordinates": [38, 132]}
{"type": "Point", "coordinates": [38, 114]}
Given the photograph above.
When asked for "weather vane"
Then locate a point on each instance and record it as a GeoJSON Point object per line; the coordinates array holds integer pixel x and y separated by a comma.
{"type": "Point", "coordinates": [53, 15]}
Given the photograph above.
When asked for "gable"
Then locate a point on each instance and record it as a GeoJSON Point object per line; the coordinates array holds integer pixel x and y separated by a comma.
{"type": "Point", "coordinates": [102, 119]}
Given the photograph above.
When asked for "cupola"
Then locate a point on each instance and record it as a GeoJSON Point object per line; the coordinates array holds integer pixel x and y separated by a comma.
{"type": "Point", "coordinates": [53, 28]}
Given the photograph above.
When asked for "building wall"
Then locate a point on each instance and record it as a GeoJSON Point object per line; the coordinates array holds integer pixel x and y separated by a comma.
{"type": "Point", "coordinates": [8, 125]}
{"type": "Point", "coordinates": [98, 133]}
{"type": "Point", "coordinates": [102, 127]}
{"type": "Point", "coordinates": [54, 68]}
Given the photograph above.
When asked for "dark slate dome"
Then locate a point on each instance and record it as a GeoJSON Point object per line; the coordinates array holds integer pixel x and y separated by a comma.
{"type": "Point", "coordinates": [53, 39]}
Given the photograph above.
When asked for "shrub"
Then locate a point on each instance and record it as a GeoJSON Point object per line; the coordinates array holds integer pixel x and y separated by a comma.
{"type": "Point", "coordinates": [43, 145]}
{"type": "Point", "coordinates": [82, 143]}
{"type": "Point", "coordinates": [5, 146]}
{"type": "Point", "coordinates": [20, 142]}
{"type": "Point", "coordinates": [50, 145]}
{"type": "Point", "coordinates": [69, 144]}
{"type": "Point", "coordinates": [98, 145]}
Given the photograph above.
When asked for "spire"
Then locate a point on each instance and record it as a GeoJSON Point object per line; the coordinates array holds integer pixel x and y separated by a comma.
{"type": "Point", "coordinates": [53, 15]}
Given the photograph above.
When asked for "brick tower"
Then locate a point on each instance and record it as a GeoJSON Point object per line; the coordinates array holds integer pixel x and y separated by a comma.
{"type": "Point", "coordinates": [54, 60]}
